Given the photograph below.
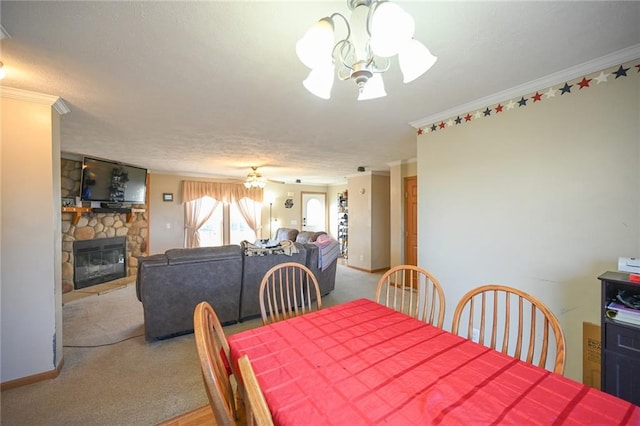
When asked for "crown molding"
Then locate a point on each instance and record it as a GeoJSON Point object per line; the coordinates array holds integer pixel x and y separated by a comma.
{"type": "Point", "coordinates": [402, 162]}
{"type": "Point", "coordinates": [624, 55]}
{"type": "Point", "coordinates": [39, 98]}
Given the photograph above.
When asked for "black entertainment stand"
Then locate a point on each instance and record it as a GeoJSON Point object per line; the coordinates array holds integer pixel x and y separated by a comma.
{"type": "Point", "coordinates": [620, 342]}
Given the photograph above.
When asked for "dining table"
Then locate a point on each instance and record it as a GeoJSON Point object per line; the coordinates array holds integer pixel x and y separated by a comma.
{"type": "Point", "coordinates": [362, 363]}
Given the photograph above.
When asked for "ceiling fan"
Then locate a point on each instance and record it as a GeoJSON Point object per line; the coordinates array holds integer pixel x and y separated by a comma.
{"type": "Point", "coordinates": [256, 180]}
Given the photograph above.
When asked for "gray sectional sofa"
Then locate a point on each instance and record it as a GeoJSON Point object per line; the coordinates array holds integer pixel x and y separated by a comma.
{"type": "Point", "coordinates": [170, 285]}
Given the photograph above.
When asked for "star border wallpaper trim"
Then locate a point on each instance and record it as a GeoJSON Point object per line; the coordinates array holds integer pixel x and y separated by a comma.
{"type": "Point", "coordinates": [607, 75]}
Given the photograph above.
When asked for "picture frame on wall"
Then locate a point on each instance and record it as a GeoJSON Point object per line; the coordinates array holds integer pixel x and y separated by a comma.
{"type": "Point", "coordinates": [167, 196]}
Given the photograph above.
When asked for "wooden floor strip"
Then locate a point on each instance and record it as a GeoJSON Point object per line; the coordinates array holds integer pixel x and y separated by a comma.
{"type": "Point", "coordinates": [202, 416]}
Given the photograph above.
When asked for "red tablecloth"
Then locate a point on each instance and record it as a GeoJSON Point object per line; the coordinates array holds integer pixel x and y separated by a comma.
{"type": "Point", "coordinates": [363, 363]}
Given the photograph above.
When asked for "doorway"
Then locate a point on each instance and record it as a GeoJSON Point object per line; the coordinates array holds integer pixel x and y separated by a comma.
{"type": "Point", "coordinates": [314, 211]}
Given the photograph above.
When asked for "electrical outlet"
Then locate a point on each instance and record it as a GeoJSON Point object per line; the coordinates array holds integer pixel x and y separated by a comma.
{"type": "Point", "coordinates": [361, 257]}
{"type": "Point", "coordinates": [476, 335]}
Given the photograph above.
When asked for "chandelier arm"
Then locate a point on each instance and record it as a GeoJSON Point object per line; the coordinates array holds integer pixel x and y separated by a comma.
{"type": "Point", "coordinates": [346, 22]}
{"type": "Point", "coordinates": [372, 8]}
{"type": "Point", "coordinates": [379, 70]}
{"type": "Point", "coordinates": [342, 50]}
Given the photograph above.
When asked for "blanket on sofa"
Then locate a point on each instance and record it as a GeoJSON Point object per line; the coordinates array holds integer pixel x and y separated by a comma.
{"type": "Point", "coordinates": [284, 247]}
{"type": "Point", "coordinates": [328, 251]}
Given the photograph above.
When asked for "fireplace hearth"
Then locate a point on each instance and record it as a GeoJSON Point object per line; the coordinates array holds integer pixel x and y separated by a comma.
{"type": "Point", "coordinates": [100, 260]}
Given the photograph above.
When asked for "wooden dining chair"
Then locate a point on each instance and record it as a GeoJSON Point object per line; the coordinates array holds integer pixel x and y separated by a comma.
{"type": "Point", "coordinates": [213, 351]}
{"type": "Point", "coordinates": [511, 321]}
{"type": "Point", "coordinates": [287, 290]}
{"type": "Point", "coordinates": [414, 291]}
{"type": "Point", "coordinates": [258, 413]}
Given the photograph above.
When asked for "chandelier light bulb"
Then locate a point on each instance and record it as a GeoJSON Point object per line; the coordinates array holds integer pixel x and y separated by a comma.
{"type": "Point", "coordinates": [415, 59]}
{"type": "Point", "coordinates": [320, 81]}
{"type": "Point", "coordinates": [391, 27]}
{"type": "Point", "coordinates": [314, 49]}
{"type": "Point", "coordinates": [374, 88]}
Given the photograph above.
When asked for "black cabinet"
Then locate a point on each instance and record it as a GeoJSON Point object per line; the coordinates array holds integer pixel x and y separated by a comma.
{"type": "Point", "coordinates": [620, 340]}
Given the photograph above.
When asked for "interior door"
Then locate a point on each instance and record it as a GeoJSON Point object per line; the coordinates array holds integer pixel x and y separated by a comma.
{"type": "Point", "coordinates": [314, 211]}
{"type": "Point", "coordinates": [411, 220]}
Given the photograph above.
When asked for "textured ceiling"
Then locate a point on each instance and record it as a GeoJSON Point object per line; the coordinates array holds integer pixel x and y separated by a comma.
{"type": "Point", "coordinates": [212, 88]}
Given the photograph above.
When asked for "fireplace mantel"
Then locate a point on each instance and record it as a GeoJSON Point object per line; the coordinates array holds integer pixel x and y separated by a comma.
{"type": "Point", "coordinates": [78, 211]}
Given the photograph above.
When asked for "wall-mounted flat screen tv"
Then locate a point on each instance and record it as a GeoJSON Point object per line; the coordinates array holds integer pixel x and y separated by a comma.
{"type": "Point", "coordinates": [112, 182]}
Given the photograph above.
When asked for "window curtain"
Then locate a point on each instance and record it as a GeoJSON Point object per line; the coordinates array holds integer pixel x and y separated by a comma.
{"type": "Point", "coordinates": [223, 192]}
{"type": "Point", "coordinates": [194, 191]}
{"type": "Point", "coordinates": [252, 213]}
{"type": "Point", "coordinates": [195, 215]}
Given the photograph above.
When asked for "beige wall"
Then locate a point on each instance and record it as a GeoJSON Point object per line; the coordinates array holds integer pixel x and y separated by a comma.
{"type": "Point", "coordinates": [369, 214]}
{"type": "Point", "coordinates": [166, 219]}
{"type": "Point", "coordinates": [30, 226]}
{"type": "Point", "coordinates": [544, 198]}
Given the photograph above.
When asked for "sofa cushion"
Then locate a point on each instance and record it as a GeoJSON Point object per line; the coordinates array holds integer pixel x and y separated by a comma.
{"type": "Point", "coordinates": [305, 237]}
{"type": "Point", "coordinates": [286, 234]}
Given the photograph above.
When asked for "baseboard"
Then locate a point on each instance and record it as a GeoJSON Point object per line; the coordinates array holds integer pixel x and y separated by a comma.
{"type": "Point", "coordinates": [12, 384]}
{"type": "Point", "coordinates": [371, 271]}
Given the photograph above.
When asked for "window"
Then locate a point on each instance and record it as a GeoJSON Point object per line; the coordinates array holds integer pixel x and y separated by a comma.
{"type": "Point", "coordinates": [212, 232]}
{"type": "Point", "coordinates": [226, 225]}
{"type": "Point", "coordinates": [239, 229]}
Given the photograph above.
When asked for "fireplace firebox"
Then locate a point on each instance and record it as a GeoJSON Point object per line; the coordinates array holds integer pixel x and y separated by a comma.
{"type": "Point", "coordinates": [98, 261]}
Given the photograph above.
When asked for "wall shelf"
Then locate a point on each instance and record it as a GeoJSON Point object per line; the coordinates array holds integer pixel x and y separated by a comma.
{"type": "Point", "coordinates": [78, 211]}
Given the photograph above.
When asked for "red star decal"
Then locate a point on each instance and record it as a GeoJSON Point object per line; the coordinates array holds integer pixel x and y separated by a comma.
{"type": "Point", "coordinates": [499, 108]}
{"type": "Point", "coordinates": [584, 83]}
{"type": "Point", "coordinates": [537, 97]}
{"type": "Point", "coordinates": [441, 125]}
{"type": "Point", "coordinates": [420, 131]}
{"type": "Point", "coordinates": [638, 66]}
{"type": "Point", "coordinates": [467, 117]}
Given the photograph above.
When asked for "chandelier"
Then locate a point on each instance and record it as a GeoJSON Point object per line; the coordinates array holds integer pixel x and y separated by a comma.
{"type": "Point", "coordinates": [376, 31]}
{"type": "Point", "coordinates": [255, 179]}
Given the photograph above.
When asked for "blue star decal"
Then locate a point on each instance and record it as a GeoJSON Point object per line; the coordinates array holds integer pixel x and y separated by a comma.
{"type": "Point", "coordinates": [433, 128]}
{"type": "Point", "coordinates": [622, 72]}
{"type": "Point", "coordinates": [566, 88]}
{"type": "Point", "coordinates": [522, 102]}
{"type": "Point", "coordinates": [458, 120]}
{"type": "Point", "coordinates": [487, 112]}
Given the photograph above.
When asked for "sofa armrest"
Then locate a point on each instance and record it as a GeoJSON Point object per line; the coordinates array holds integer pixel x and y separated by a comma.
{"type": "Point", "coordinates": [144, 262]}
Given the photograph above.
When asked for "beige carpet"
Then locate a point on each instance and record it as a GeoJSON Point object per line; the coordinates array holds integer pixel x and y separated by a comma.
{"type": "Point", "coordinates": [111, 376]}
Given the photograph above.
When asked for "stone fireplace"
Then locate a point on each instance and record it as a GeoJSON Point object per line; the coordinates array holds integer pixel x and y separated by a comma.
{"type": "Point", "coordinates": [98, 261]}
{"type": "Point", "coordinates": [97, 225]}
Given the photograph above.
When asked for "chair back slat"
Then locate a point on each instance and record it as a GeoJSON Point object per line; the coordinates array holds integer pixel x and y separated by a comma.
{"type": "Point", "coordinates": [414, 291]}
{"type": "Point", "coordinates": [528, 339]}
{"type": "Point", "coordinates": [287, 290]}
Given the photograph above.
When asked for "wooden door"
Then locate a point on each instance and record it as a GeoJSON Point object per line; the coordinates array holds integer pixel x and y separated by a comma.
{"type": "Point", "coordinates": [411, 220]}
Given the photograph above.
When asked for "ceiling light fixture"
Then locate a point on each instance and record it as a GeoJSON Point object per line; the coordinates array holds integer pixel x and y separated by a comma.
{"type": "Point", "coordinates": [376, 31]}
{"type": "Point", "coordinates": [255, 179]}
